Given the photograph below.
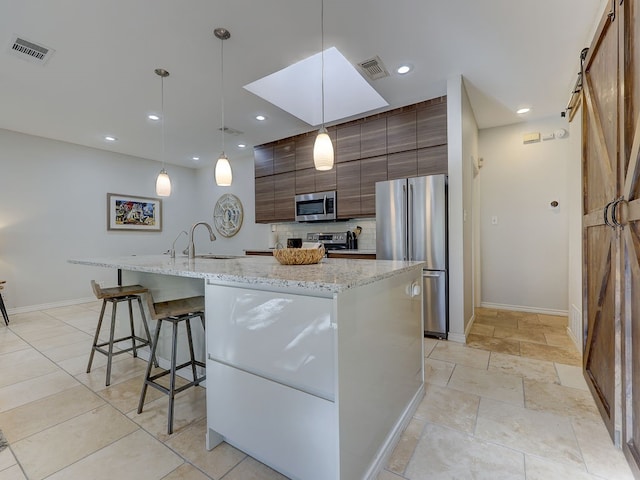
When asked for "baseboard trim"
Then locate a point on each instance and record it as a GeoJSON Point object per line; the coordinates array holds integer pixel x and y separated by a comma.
{"type": "Point", "coordinates": [457, 337]}
{"type": "Point", "coordinates": [520, 308]}
{"type": "Point", "coordinates": [46, 306]}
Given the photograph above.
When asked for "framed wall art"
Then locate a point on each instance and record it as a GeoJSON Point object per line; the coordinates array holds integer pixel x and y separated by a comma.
{"type": "Point", "coordinates": [128, 212]}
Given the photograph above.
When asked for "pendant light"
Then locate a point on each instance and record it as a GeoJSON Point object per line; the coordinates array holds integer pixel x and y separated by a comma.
{"type": "Point", "coordinates": [223, 168]}
{"type": "Point", "coordinates": [322, 148]}
{"type": "Point", "coordinates": [163, 182]}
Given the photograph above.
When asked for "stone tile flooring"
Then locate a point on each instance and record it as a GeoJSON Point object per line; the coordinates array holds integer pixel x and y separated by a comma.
{"type": "Point", "coordinates": [511, 404]}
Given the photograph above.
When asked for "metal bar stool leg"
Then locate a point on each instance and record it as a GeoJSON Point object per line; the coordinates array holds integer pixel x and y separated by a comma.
{"type": "Point", "coordinates": [95, 338]}
{"type": "Point", "coordinates": [4, 310]}
{"type": "Point", "coordinates": [172, 375]}
{"type": "Point", "coordinates": [133, 330]}
{"type": "Point", "coordinates": [148, 372]}
{"type": "Point", "coordinates": [111, 335]}
{"type": "Point", "coordinates": [145, 325]}
{"type": "Point", "coordinates": [191, 354]}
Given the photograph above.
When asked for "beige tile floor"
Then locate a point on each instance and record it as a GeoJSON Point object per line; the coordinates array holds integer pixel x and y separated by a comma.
{"type": "Point", "coordinates": [510, 405]}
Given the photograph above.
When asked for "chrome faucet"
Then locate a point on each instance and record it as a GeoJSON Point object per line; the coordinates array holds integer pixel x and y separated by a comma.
{"type": "Point", "coordinates": [172, 252]}
{"type": "Point", "coordinates": [192, 247]}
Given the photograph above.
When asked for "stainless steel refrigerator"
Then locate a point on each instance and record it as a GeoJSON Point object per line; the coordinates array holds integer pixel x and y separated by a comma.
{"type": "Point", "coordinates": [411, 224]}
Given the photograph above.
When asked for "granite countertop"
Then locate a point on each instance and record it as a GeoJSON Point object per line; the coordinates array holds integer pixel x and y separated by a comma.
{"type": "Point", "coordinates": [330, 275]}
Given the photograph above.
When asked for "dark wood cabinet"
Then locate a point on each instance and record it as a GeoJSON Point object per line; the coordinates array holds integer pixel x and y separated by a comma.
{"type": "Point", "coordinates": [407, 142]}
{"type": "Point", "coordinates": [373, 137]}
{"type": "Point", "coordinates": [433, 160]}
{"type": "Point", "coordinates": [304, 150]}
{"type": "Point", "coordinates": [432, 124]}
{"type": "Point", "coordinates": [305, 181]}
{"type": "Point", "coordinates": [264, 199]}
{"type": "Point", "coordinates": [402, 165]}
{"type": "Point", "coordinates": [263, 158]}
{"type": "Point", "coordinates": [372, 170]}
{"type": "Point", "coordinates": [348, 191]}
{"type": "Point", "coordinates": [284, 156]}
{"type": "Point", "coordinates": [284, 186]}
{"type": "Point", "coordinates": [348, 143]}
{"type": "Point", "coordinates": [401, 132]}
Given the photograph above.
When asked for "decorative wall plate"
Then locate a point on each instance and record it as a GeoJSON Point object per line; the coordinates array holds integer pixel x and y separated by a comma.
{"type": "Point", "coordinates": [228, 215]}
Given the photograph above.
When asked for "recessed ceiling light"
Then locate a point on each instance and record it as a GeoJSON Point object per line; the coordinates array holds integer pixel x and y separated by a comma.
{"type": "Point", "coordinates": [154, 117]}
{"type": "Point", "coordinates": [195, 158]}
{"type": "Point", "coordinates": [404, 69]}
{"type": "Point", "coordinates": [110, 138]}
{"type": "Point", "coordinates": [242, 145]}
{"type": "Point", "coordinates": [522, 110]}
{"type": "Point", "coordinates": [261, 118]}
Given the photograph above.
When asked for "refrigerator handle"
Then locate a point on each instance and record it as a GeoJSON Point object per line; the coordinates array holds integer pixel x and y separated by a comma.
{"type": "Point", "coordinates": [410, 223]}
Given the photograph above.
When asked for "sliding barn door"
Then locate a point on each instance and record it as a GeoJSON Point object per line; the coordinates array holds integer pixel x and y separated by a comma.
{"type": "Point", "coordinates": [628, 216]}
{"type": "Point", "coordinates": [600, 239]}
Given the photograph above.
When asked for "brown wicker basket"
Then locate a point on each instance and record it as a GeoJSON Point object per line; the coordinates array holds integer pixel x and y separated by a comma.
{"type": "Point", "coordinates": [299, 256]}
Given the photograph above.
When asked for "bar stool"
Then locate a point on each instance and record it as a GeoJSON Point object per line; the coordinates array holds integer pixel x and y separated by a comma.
{"type": "Point", "coordinates": [175, 312]}
{"type": "Point", "coordinates": [115, 295]}
{"type": "Point", "coordinates": [2, 307]}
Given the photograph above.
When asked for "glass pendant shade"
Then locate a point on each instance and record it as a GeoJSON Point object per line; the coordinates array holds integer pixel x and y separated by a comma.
{"type": "Point", "coordinates": [163, 184]}
{"type": "Point", "coordinates": [323, 151]}
{"type": "Point", "coordinates": [223, 172]}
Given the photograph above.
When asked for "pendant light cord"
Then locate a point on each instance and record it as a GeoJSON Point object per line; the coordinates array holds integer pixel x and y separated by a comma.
{"type": "Point", "coordinates": [222, 88]}
{"type": "Point", "coordinates": [162, 113]}
{"type": "Point", "coordinates": [322, 54]}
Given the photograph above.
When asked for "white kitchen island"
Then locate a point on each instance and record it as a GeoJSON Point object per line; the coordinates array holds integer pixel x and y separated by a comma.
{"type": "Point", "coordinates": [314, 370]}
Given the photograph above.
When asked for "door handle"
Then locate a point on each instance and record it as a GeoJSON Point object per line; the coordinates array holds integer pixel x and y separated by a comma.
{"type": "Point", "coordinates": [606, 215]}
{"type": "Point", "coordinates": [410, 222]}
{"type": "Point", "coordinates": [614, 212]}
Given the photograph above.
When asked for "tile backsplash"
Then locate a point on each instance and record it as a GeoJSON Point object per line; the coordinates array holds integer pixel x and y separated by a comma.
{"type": "Point", "coordinates": [366, 240]}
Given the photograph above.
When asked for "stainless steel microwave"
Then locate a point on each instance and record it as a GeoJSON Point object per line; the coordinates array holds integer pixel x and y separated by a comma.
{"type": "Point", "coordinates": [316, 207]}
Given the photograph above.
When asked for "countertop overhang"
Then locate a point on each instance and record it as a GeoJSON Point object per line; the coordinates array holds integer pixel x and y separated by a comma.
{"type": "Point", "coordinates": [330, 275]}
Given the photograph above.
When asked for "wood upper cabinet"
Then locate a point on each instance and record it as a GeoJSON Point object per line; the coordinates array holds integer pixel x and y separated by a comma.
{"type": "Point", "coordinates": [348, 191]}
{"type": "Point", "coordinates": [373, 137]}
{"type": "Point", "coordinates": [348, 143]}
{"type": "Point", "coordinates": [263, 160]}
{"type": "Point", "coordinates": [372, 170]}
{"type": "Point", "coordinates": [433, 160]}
{"type": "Point", "coordinates": [432, 123]}
{"type": "Point", "coordinates": [325, 180]}
{"type": "Point", "coordinates": [402, 165]}
{"type": "Point", "coordinates": [305, 181]}
{"type": "Point", "coordinates": [284, 186]}
{"type": "Point", "coordinates": [401, 132]}
{"type": "Point", "coordinates": [264, 199]}
{"type": "Point", "coordinates": [304, 150]}
{"type": "Point", "coordinates": [284, 156]}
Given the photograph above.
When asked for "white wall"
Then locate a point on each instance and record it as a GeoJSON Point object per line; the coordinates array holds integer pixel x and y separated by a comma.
{"type": "Point", "coordinates": [461, 146]}
{"type": "Point", "coordinates": [53, 208]}
{"type": "Point", "coordinates": [524, 255]}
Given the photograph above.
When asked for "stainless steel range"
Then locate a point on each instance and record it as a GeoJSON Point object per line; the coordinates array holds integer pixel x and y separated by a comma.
{"type": "Point", "coordinates": [331, 240]}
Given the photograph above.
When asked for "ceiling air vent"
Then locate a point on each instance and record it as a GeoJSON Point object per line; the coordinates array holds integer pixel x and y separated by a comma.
{"type": "Point", "coordinates": [30, 51]}
{"type": "Point", "coordinates": [374, 68]}
{"type": "Point", "coordinates": [231, 131]}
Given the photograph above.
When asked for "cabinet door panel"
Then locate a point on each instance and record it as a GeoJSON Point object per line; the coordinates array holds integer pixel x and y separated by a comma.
{"type": "Point", "coordinates": [264, 200]}
{"type": "Point", "coordinates": [284, 156]}
{"type": "Point", "coordinates": [304, 150]}
{"type": "Point", "coordinates": [263, 158]}
{"type": "Point", "coordinates": [402, 165]}
{"type": "Point", "coordinates": [401, 132]}
{"type": "Point", "coordinates": [372, 170]}
{"type": "Point", "coordinates": [373, 137]}
{"type": "Point", "coordinates": [348, 143]}
{"type": "Point", "coordinates": [284, 185]}
{"type": "Point", "coordinates": [433, 160]}
{"type": "Point", "coordinates": [305, 181]}
{"type": "Point", "coordinates": [348, 189]}
{"type": "Point", "coordinates": [325, 180]}
{"type": "Point", "coordinates": [432, 124]}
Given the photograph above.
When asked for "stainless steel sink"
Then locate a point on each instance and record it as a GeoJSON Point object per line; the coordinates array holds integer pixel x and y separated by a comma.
{"type": "Point", "coordinates": [220, 257]}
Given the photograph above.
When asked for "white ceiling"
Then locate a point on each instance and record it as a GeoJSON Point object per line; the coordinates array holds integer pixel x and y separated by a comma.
{"type": "Point", "coordinates": [101, 78]}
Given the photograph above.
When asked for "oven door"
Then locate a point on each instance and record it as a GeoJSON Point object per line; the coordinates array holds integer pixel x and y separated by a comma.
{"type": "Point", "coordinates": [314, 207]}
